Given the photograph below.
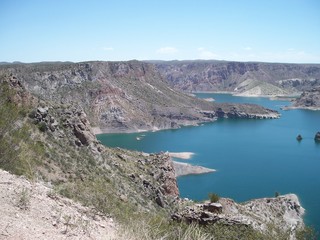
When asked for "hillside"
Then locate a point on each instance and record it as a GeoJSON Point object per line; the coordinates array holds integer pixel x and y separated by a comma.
{"type": "Point", "coordinates": [122, 96]}
{"type": "Point", "coordinates": [204, 76]}
{"type": "Point", "coordinates": [49, 139]}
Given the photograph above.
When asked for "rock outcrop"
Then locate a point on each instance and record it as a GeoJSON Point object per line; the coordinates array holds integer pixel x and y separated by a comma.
{"type": "Point", "coordinates": [309, 99]}
{"type": "Point", "coordinates": [285, 211]}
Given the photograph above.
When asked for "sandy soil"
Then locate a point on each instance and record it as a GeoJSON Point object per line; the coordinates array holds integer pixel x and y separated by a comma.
{"type": "Point", "coordinates": [30, 210]}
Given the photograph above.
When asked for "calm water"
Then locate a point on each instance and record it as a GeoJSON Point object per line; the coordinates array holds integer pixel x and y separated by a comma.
{"type": "Point", "coordinates": [253, 158]}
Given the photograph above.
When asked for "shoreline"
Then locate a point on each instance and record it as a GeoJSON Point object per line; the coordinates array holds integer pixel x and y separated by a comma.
{"type": "Point", "coordinates": [184, 169]}
{"type": "Point", "coordinates": [237, 94]}
{"type": "Point", "coordinates": [287, 108]}
{"type": "Point", "coordinates": [181, 155]}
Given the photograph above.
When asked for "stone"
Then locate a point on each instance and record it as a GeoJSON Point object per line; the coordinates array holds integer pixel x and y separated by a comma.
{"type": "Point", "coordinates": [299, 137]}
{"type": "Point", "coordinates": [317, 137]}
{"type": "Point", "coordinates": [43, 111]}
{"type": "Point", "coordinates": [159, 201]}
{"type": "Point", "coordinates": [213, 207]}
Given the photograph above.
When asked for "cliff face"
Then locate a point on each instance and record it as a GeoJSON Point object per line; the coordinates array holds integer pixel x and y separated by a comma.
{"type": "Point", "coordinates": [227, 76]}
{"type": "Point", "coordinates": [119, 96]}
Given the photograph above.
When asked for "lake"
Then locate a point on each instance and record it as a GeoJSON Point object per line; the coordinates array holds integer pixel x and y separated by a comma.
{"type": "Point", "coordinates": [253, 158]}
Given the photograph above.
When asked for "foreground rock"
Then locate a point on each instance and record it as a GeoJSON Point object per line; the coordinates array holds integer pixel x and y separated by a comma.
{"type": "Point", "coordinates": [285, 211]}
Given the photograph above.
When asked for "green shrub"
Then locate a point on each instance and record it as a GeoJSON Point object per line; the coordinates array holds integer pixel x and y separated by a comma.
{"type": "Point", "coordinates": [213, 197]}
{"type": "Point", "coordinates": [32, 114]}
{"type": "Point", "coordinates": [42, 127]}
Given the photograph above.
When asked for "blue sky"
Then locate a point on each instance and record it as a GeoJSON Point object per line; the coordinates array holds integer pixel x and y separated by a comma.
{"type": "Point", "coordinates": [238, 30]}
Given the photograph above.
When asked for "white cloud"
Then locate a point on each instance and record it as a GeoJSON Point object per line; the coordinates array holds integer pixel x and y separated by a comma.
{"type": "Point", "coordinates": [205, 54]}
{"type": "Point", "coordinates": [247, 48]}
{"type": "Point", "coordinates": [107, 49]}
{"type": "Point", "coordinates": [167, 50]}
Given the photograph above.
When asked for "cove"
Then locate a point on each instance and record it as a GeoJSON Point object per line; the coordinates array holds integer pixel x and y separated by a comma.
{"type": "Point", "coordinates": [253, 158]}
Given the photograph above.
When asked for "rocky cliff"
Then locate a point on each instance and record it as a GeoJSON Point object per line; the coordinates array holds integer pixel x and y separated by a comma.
{"type": "Point", "coordinates": [272, 78]}
{"type": "Point", "coordinates": [122, 96]}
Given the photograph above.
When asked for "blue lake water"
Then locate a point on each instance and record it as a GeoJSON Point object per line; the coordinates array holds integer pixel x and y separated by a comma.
{"type": "Point", "coordinates": [253, 158]}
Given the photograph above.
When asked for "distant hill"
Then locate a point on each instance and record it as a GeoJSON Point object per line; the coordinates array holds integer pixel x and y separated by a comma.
{"type": "Point", "coordinates": [207, 75]}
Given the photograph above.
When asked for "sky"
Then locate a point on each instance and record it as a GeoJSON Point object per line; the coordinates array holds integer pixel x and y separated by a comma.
{"type": "Point", "coordinates": [117, 30]}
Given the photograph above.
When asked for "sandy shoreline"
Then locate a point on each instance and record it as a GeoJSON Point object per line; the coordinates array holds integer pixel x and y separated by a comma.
{"type": "Point", "coordinates": [183, 169]}
{"type": "Point", "coordinates": [181, 155]}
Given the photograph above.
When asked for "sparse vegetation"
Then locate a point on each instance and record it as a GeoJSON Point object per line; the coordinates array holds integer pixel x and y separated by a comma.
{"type": "Point", "coordinates": [42, 126]}
{"type": "Point", "coordinates": [23, 201]}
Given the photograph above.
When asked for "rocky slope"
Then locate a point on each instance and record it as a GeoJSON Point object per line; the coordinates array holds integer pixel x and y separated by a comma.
{"type": "Point", "coordinates": [122, 96]}
{"type": "Point", "coordinates": [31, 210]}
{"type": "Point", "coordinates": [309, 99]}
{"type": "Point", "coordinates": [193, 76]}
